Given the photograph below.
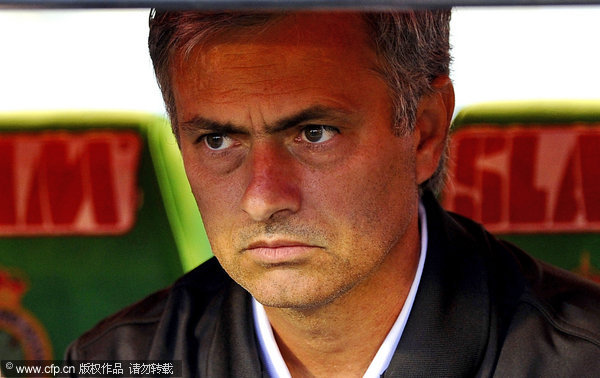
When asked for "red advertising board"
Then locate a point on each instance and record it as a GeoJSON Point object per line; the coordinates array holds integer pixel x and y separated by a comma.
{"type": "Point", "coordinates": [526, 179]}
{"type": "Point", "coordinates": [57, 182]}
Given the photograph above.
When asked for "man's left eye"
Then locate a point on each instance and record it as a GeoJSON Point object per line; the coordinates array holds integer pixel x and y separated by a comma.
{"type": "Point", "coordinates": [317, 133]}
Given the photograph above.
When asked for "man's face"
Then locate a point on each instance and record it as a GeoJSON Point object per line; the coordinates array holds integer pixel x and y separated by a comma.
{"type": "Point", "coordinates": [287, 142]}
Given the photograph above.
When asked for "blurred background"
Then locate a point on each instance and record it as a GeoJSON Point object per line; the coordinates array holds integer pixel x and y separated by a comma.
{"type": "Point", "coordinates": [97, 59]}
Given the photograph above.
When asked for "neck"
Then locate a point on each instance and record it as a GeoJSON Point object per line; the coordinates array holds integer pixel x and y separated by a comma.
{"type": "Point", "coordinates": [342, 337]}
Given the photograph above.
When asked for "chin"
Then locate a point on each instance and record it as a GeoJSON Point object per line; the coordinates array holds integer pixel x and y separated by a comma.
{"type": "Point", "coordinates": [307, 296]}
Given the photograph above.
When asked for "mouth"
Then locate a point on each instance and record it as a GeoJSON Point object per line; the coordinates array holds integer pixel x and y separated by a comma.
{"type": "Point", "coordinates": [277, 252]}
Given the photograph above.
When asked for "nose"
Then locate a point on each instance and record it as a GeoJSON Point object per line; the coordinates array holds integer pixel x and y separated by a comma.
{"type": "Point", "coordinates": [272, 186]}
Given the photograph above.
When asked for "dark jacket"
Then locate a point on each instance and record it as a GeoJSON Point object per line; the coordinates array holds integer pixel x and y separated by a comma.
{"type": "Point", "coordinates": [483, 308]}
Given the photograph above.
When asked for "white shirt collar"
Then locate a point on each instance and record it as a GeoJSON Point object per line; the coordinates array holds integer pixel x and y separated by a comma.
{"type": "Point", "coordinates": [274, 363]}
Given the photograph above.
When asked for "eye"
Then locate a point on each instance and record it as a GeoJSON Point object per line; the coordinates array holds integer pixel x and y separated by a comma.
{"type": "Point", "coordinates": [217, 142]}
{"type": "Point", "coordinates": [317, 133]}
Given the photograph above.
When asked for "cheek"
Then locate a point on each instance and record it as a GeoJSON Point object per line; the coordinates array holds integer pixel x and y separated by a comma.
{"type": "Point", "coordinates": [375, 196]}
{"type": "Point", "coordinates": [210, 186]}
{"type": "Point", "coordinates": [216, 198]}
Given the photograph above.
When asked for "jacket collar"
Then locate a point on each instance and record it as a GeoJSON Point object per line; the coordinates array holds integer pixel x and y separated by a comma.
{"type": "Point", "coordinates": [448, 330]}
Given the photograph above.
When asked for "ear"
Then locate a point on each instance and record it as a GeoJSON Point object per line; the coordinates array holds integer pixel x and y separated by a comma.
{"type": "Point", "coordinates": [434, 114]}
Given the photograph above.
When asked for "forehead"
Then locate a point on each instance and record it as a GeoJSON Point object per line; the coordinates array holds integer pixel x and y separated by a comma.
{"type": "Point", "coordinates": [313, 34]}
{"type": "Point", "coordinates": [277, 29]}
{"type": "Point", "coordinates": [297, 44]}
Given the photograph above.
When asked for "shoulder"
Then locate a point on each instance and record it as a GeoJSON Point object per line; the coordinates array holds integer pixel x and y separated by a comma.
{"type": "Point", "coordinates": [545, 317]}
{"type": "Point", "coordinates": [128, 334]}
{"type": "Point", "coordinates": [549, 317]}
{"type": "Point", "coordinates": [559, 308]}
{"type": "Point", "coordinates": [569, 302]}
{"type": "Point", "coordinates": [555, 326]}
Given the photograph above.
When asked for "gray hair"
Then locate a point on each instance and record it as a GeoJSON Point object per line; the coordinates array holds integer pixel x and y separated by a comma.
{"type": "Point", "coordinates": [413, 49]}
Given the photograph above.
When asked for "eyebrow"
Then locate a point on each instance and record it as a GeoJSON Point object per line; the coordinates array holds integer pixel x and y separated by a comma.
{"type": "Point", "coordinates": [317, 112]}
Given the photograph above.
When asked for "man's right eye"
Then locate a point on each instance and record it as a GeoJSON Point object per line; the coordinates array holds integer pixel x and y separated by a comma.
{"type": "Point", "coordinates": [217, 142]}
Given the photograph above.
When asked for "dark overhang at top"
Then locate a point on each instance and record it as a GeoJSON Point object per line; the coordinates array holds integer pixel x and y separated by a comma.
{"type": "Point", "coordinates": [281, 4]}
